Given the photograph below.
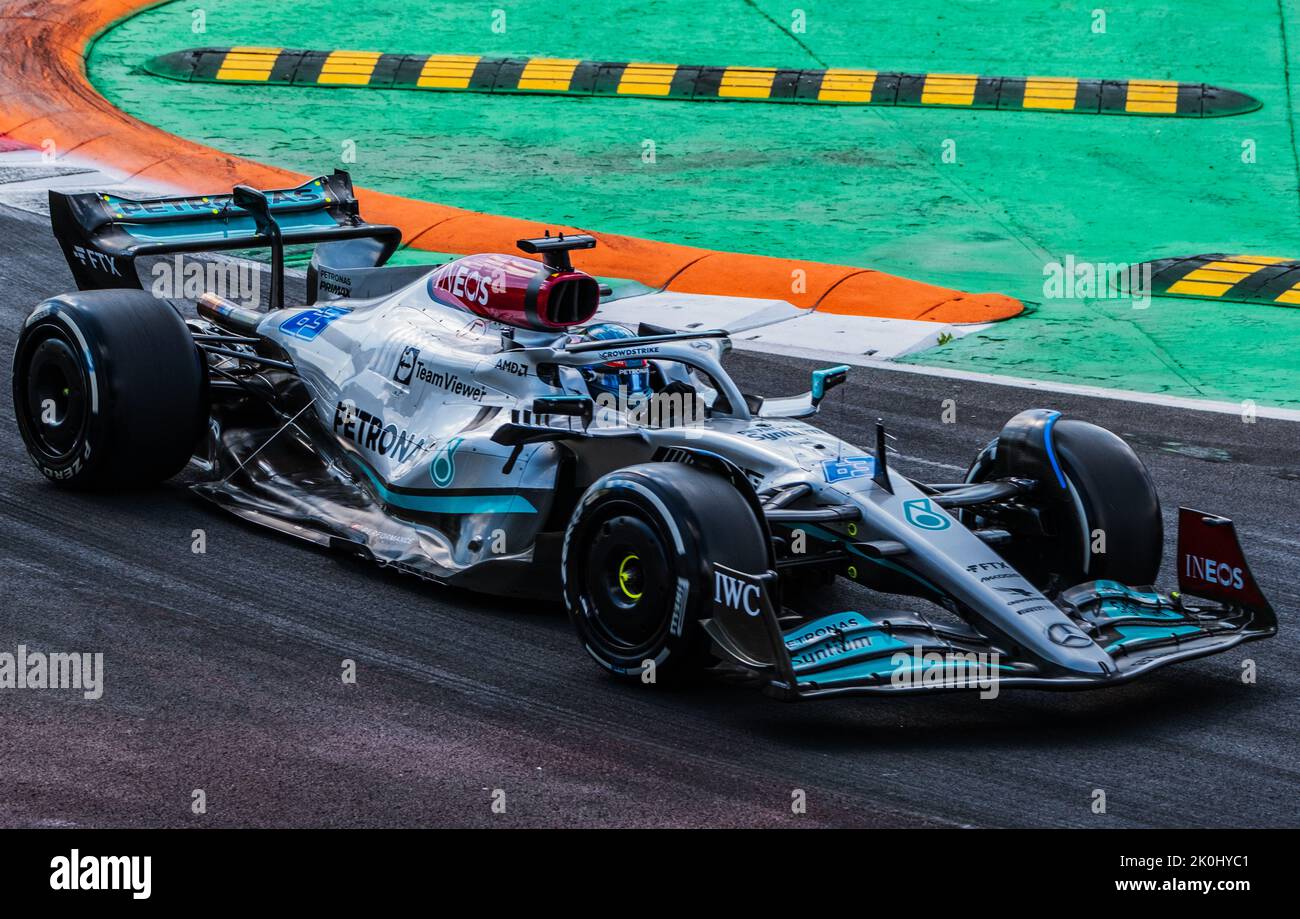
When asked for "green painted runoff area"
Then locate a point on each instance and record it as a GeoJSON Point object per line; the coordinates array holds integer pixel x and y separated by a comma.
{"type": "Point", "coordinates": [976, 200]}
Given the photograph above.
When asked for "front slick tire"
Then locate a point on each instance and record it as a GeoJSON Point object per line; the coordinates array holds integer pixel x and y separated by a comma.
{"type": "Point", "coordinates": [1110, 496]}
{"type": "Point", "coordinates": [109, 389]}
{"type": "Point", "coordinates": [637, 566]}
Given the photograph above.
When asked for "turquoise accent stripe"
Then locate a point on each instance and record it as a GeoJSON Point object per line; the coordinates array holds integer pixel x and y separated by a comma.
{"type": "Point", "coordinates": [1114, 590]}
{"type": "Point", "coordinates": [1131, 633]}
{"type": "Point", "coordinates": [1118, 609]}
{"type": "Point", "coordinates": [803, 643]}
{"type": "Point", "coordinates": [828, 626]}
{"type": "Point", "coordinates": [142, 210]}
{"type": "Point", "coordinates": [236, 226]}
{"type": "Point", "coordinates": [448, 504]}
{"type": "Point", "coordinates": [885, 665]}
{"type": "Point", "coordinates": [840, 638]}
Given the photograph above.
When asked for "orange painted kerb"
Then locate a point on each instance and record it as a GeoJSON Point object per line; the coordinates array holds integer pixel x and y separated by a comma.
{"type": "Point", "coordinates": [45, 95]}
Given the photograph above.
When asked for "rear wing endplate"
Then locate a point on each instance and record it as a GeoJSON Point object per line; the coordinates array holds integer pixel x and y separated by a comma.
{"type": "Point", "coordinates": [102, 234]}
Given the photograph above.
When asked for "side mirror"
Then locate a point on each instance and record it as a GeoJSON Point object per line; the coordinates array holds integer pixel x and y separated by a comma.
{"type": "Point", "coordinates": [826, 379]}
{"type": "Point", "coordinates": [256, 203]}
{"type": "Point", "coordinates": [572, 406]}
{"type": "Point", "coordinates": [253, 201]}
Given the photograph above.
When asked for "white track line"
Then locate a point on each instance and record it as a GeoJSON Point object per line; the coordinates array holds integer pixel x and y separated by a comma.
{"type": "Point", "coordinates": [1074, 389]}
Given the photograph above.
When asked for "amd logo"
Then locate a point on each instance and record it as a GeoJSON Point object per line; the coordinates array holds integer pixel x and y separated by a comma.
{"type": "Point", "coordinates": [736, 594]}
{"type": "Point", "coordinates": [1214, 572]}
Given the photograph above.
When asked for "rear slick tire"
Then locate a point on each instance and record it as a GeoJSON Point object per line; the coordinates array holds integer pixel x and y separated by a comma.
{"type": "Point", "coordinates": [109, 389]}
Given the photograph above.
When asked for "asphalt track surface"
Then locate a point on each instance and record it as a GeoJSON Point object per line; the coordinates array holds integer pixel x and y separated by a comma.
{"type": "Point", "coordinates": [223, 669]}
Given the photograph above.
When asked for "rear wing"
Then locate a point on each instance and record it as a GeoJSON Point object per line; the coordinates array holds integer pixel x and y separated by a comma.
{"type": "Point", "coordinates": [103, 234]}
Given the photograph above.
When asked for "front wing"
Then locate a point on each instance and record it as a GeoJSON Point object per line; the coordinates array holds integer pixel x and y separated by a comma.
{"type": "Point", "coordinates": [856, 653]}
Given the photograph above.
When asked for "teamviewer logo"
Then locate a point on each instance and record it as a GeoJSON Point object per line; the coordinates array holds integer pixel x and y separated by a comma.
{"type": "Point", "coordinates": [406, 366]}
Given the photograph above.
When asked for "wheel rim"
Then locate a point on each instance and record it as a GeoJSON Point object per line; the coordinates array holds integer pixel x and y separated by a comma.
{"type": "Point", "coordinates": [55, 406]}
{"type": "Point", "coordinates": [628, 583]}
{"type": "Point", "coordinates": [631, 577]}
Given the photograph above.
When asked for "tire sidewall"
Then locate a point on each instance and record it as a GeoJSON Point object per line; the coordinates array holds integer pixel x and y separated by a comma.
{"type": "Point", "coordinates": [1109, 492]}
{"type": "Point", "coordinates": [86, 462]}
{"type": "Point", "coordinates": [1119, 504]}
{"type": "Point", "coordinates": [691, 542]}
{"type": "Point", "coordinates": [146, 381]}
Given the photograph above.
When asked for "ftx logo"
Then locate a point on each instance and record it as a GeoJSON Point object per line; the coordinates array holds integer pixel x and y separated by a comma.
{"type": "Point", "coordinates": [96, 260]}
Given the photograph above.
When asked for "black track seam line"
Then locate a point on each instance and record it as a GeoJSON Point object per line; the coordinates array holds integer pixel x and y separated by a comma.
{"type": "Point", "coordinates": [145, 168]}
{"type": "Point", "coordinates": [1290, 104]}
{"type": "Point", "coordinates": [410, 243]}
{"type": "Point", "coordinates": [794, 38]}
{"type": "Point", "coordinates": [678, 273]}
{"type": "Point", "coordinates": [827, 292]}
{"type": "Point", "coordinates": [88, 140]}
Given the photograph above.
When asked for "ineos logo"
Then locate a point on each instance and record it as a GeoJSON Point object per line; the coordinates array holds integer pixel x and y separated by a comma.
{"type": "Point", "coordinates": [1214, 572]}
{"type": "Point", "coordinates": [736, 594]}
{"type": "Point", "coordinates": [467, 284]}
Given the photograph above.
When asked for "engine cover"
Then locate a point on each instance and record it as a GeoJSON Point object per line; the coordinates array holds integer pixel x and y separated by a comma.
{"type": "Point", "coordinates": [516, 291]}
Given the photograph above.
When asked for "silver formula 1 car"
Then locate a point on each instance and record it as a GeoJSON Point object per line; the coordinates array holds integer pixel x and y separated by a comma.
{"type": "Point", "coordinates": [468, 423]}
